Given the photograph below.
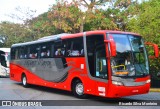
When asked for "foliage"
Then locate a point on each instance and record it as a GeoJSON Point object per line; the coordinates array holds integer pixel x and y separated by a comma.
{"type": "Point", "coordinates": [40, 26]}
{"type": "Point", "coordinates": [99, 21]}
{"type": "Point", "coordinates": [65, 16]}
{"type": "Point", "coordinates": [14, 33]}
{"type": "Point", "coordinates": [68, 17]}
{"type": "Point", "coordinates": [146, 22]}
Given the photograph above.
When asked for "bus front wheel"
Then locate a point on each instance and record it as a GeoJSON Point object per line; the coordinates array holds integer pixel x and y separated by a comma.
{"type": "Point", "coordinates": [24, 81]}
{"type": "Point", "coordinates": [78, 89]}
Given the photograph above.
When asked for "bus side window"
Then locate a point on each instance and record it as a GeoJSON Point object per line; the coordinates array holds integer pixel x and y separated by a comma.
{"type": "Point", "coordinates": [13, 53]}
{"type": "Point", "coordinates": [16, 53]}
{"type": "Point", "coordinates": [34, 51]}
{"type": "Point", "coordinates": [20, 55]}
{"type": "Point", "coordinates": [45, 51]}
{"type": "Point", "coordinates": [59, 49]}
{"type": "Point", "coordinates": [23, 52]}
{"type": "Point", "coordinates": [75, 47]}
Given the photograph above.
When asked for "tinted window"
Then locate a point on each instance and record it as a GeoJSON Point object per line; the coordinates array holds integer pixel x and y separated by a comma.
{"type": "Point", "coordinates": [45, 50]}
{"type": "Point", "coordinates": [34, 51]}
{"type": "Point", "coordinates": [13, 53]}
{"type": "Point", "coordinates": [23, 53]}
{"type": "Point", "coordinates": [92, 51]}
{"type": "Point", "coordinates": [75, 47]}
{"type": "Point", "coordinates": [59, 49]}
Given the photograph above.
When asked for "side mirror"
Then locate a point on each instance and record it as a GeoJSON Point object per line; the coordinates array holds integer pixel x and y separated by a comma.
{"type": "Point", "coordinates": [156, 49]}
{"type": "Point", "coordinates": [112, 46]}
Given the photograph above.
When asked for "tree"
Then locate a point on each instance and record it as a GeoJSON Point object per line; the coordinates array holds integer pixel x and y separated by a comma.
{"type": "Point", "coordinates": [70, 17]}
{"type": "Point", "coordinates": [23, 15]}
{"type": "Point", "coordinates": [65, 16]}
{"type": "Point", "coordinates": [14, 33]}
{"type": "Point", "coordinates": [94, 18]}
{"type": "Point", "coordinates": [40, 26]}
{"type": "Point", "coordinates": [91, 5]}
{"type": "Point", "coordinates": [121, 11]}
{"type": "Point", "coordinates": [99, 21]}
{"type": "Point", "coordinates": [147, 23]}
{"type": "Point", "coordinates": [116, 12]}
{"type": "Point", "coordinates": [3, 40]}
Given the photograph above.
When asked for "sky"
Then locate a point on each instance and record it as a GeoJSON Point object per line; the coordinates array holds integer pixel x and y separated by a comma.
{"type": "Point", "coordinates": [8, 7]}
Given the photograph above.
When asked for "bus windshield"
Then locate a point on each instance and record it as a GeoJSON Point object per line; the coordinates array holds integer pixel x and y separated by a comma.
{"type": "Point", "coordinates": [131, 59]}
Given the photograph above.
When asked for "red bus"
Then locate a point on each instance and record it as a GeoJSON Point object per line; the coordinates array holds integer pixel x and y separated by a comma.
{"type": "Point", "coordinates": [102, 63]}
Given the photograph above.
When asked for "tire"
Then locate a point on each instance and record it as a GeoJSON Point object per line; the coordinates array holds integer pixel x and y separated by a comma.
{"type": "Point", "coordinates": [78, 89]}
{"type": "Point", "coordinates": [24, 81]}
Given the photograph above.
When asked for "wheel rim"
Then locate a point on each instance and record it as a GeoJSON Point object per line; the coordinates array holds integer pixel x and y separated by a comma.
{"type": "Point", "coordinates": [79, 89]}
{"type": "Point", "coordinates": [24, 80]}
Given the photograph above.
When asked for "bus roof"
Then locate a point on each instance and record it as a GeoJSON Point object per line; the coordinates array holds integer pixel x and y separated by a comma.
{"type": "Point", "coordinates": [5, 49]}
{"type": "Point", "coordinates": [67, 36]}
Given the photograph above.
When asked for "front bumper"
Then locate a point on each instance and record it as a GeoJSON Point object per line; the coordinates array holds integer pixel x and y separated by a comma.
{"type": "Point", "coordinates": [121, 91]}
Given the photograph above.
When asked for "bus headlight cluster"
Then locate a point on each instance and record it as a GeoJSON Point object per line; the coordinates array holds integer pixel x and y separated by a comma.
{"type": "Point", "coordinates": [117, 83]}
{"type": "Point", "coordinates": [148, 81]}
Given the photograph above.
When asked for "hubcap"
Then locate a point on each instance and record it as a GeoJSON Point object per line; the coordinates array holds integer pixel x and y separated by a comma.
{"type": "Point", "coordinates": [24, 80]}
{"type": "Point", "coordinates": [79, 89]}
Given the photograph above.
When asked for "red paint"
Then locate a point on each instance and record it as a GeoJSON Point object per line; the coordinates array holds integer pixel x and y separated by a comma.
{"type": "Point", "coordinates": [90, 86]}
{"type": "Point", "coordinates": [120, 91]}
{"type": "Point", "coordinates": [96, 32]}
{"type": "Point", "coordinates": [93, 87]}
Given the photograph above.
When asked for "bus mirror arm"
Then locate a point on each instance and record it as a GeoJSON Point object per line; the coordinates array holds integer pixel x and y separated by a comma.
{"type": "Point", "coordinates": [156, 49]}
{"type": "Point", "coordinates": [112, 47]}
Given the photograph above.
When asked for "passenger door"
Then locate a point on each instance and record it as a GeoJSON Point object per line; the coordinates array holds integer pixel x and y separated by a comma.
{"type": "Point", "coordinates": [97, 63]}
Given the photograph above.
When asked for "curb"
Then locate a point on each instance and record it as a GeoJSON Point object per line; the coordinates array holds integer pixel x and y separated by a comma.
{"type": "Point", "coordinates": [154, 89]}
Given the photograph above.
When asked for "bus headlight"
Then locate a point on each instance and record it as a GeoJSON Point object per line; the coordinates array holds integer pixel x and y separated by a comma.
{"type": "Point", "coordinates": [148, 81]}
{"type": "Point", "coordinates": [117, 83]}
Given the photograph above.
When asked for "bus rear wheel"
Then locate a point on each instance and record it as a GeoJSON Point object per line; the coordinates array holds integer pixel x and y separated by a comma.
{"type": "Point", "coordinates": [24, 81]}
{"type": "Point", "coordinates": [78, 89]}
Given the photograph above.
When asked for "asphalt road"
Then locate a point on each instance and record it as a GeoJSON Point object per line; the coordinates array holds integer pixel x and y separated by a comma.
{"type": "Point", "coordinates": [11, 90]}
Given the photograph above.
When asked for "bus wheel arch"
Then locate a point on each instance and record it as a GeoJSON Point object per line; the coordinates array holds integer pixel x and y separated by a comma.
{"type": "Point", "coordinates": [24, 80]}
{"type": "Point", "coordinates": [77, 87]}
